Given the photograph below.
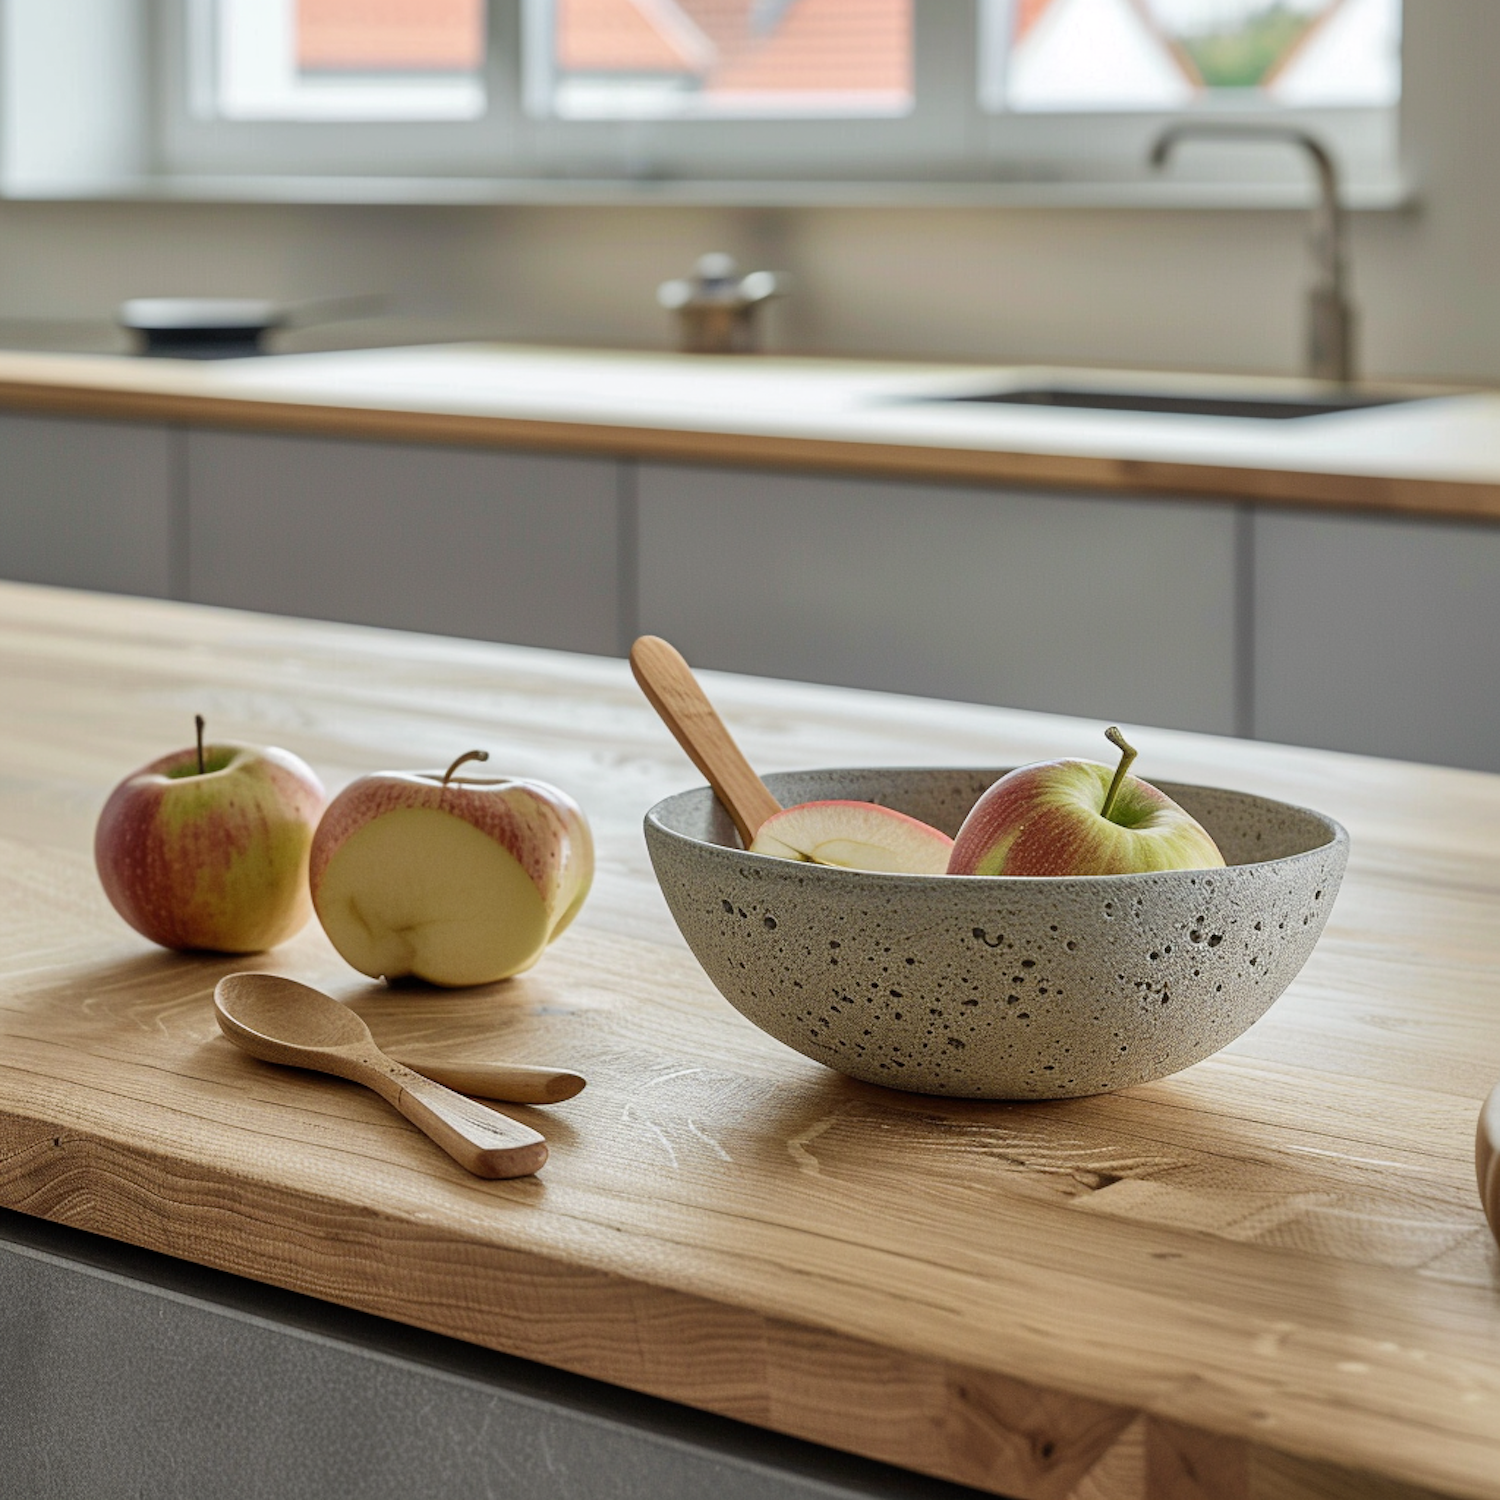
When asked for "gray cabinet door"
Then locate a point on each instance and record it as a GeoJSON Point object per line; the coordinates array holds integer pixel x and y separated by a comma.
{"type": "Point", "coordinates": [1110, 608]}
{"type": "Point", "coordinates": [1380, 636]}
{"type": "Point", "coordinates": [496, 546]}
{"type": "Point", "coordinates": [86, 504]}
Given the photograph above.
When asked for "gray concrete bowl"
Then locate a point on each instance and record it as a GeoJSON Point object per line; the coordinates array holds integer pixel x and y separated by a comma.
{"type": "Point", "coordinates": [999, 987]}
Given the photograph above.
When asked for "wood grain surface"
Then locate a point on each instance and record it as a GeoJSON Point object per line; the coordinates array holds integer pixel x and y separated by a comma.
{"type": "Point", "coordinates": [1269, 1276]}
{"type": "Point", "coordinates": [817, 416]}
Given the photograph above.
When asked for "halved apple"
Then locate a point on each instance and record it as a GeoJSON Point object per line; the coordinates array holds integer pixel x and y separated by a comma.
{"type": "Point", "coordinates": [854, 836]}
{"type": "Point", "coordinates": [455, 880]}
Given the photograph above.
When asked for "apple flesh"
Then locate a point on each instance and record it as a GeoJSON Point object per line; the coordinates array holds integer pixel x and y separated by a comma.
{"type": "Point", "coordinates": [457, 881]}
{"type": "Point", "coordinates": [1076, 817]}
{"type": "Point", "coordinates": [854, 836]}
{"type": "Point", "coordinates": [214, 858]}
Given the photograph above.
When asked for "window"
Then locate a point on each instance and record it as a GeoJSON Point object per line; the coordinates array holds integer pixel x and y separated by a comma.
{"type": "Point", "coordinates": [344, 60]}
{"type": "Point", "coordinates": [1092, 55]}
{"type": "Point", "coordinates": [747, 59]}
{"type": "Point", "coordinates": [941, 93]}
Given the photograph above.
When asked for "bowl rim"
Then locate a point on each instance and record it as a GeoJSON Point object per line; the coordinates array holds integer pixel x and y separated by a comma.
{"type": "Point", "coordinates": [1338, 836]}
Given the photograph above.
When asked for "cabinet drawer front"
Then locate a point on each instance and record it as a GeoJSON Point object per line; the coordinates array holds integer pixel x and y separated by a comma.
{"type": "Point", "coordinates": [495, 546]}
{"type": "Point", "coordinates": [1379, 636]}
{"type": "Point", "coordinates": [1114, 609]}
{"type": "Point", "coordinates": [86, 504]}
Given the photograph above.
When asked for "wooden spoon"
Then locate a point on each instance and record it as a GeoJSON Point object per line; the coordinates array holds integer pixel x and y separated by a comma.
{"type": "Point", "coordinates": [281, 1021]}
{"type": "Point", "coordinates": [512, 1083]}
{"type": "Point", "coordinates": [669, 684]}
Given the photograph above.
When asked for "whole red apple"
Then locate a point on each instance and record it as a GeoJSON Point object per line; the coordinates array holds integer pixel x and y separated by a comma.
{"type": "Point", "coordinates": [1072, 817]}
{"type": "Point", "coordinates": [208, 847]}
{"type": "Point", "coordinates": [453, 879]}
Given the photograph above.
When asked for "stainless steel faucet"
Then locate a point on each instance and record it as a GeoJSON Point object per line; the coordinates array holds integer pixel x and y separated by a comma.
{"type": "Point", "coordinates": [1330, 315]}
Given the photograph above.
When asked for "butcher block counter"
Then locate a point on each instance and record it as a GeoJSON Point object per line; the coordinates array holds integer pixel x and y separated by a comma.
{"type": "Point", "coordinates": [1268, 1276]}
{"type": "Point", "coordinates": [858, 417]}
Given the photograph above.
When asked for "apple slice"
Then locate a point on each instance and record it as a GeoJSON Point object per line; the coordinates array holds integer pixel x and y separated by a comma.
{"type": "Point", "coordinates": [854, 836]}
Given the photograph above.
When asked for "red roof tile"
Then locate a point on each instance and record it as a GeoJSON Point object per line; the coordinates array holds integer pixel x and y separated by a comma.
{"type": "Point", "coordinates": [861, 46]}
{"type": "Point", "coordinates": [614, 36]}
{"type": "Point", "coordinates": [421, 35]}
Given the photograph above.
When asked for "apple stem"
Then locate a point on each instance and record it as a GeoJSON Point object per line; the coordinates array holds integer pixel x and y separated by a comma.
{"type": "Point", "coordinates": [463, 760]}
{"type": "Point", "coordinates": [1127, 756]}
{"type": "Point", "coordinates": [198, 724]}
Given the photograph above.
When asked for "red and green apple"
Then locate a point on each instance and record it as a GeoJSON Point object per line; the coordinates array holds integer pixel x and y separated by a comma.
{"type": "Point", "coordinates": [208, 847]}
{"type": "Point", "coordinates": [1073, 817]}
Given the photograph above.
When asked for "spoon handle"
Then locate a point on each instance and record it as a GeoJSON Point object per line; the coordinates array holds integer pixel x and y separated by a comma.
{"type": "Point", "coordinates": [515, 1083]}
{"type": "Point", "coordinates": [668, 682]}
{"type": "Point", "coordinates": [479, 1139]}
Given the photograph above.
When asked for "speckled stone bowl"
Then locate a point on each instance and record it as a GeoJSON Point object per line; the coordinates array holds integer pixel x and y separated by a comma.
{"type": "Point", "coordinates": [999, 987]}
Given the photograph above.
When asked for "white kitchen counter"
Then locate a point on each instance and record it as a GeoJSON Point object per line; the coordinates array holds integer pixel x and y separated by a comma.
{"type": "Point", "coordinates": [1437, 456]}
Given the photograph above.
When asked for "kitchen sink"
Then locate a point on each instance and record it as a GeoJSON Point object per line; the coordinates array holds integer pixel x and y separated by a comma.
{"type": "Point", "coordinates": [1264, 408]}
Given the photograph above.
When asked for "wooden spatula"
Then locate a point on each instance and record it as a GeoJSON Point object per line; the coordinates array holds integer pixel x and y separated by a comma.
{"type": "Point", "coordinates": [669, 684]}
{"type": "Point", "coordinates": [281, 1021]}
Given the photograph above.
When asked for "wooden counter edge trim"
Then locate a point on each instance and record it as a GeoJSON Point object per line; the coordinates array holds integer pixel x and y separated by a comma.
{"type": "Point", "coordinates": [1434, 498]}
{"type": "Point", "coordinates": [971, 1426]}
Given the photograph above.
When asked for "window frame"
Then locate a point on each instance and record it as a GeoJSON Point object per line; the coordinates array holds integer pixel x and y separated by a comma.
{"type": "Point", "coordinates": [948, 142]}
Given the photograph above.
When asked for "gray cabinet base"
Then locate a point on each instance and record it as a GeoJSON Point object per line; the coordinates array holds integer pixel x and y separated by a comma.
{"type": "Point", "coordinates": [1380, 636]}
{"type": "Point", "coordinates": [1104, 607]}
{"type": "Point", "coordinates": [128, 1374]}
{"type": "Point", "coordinates": [88, 505]}
{"type": "Point", "coordinates": [495, 546]}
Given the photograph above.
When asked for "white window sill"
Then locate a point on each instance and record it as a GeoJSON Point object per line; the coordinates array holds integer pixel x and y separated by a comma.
{"type": "Point", "coordinates": [1382, 196]}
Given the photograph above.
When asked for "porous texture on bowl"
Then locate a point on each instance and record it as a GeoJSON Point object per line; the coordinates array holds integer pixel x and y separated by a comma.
{"type": "Point", "coordinates": [998, 987]}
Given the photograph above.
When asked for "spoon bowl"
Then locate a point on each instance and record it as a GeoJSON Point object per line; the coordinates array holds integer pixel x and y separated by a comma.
{"type": "Point", "coordinates": [272, 1017]}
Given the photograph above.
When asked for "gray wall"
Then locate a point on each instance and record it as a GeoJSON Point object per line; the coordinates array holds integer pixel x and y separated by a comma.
{"type": "Point", "coordinates": [1176, 288]}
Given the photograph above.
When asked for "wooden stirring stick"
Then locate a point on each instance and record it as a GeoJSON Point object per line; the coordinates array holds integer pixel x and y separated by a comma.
{"type": "Point", "coordinates": [669, 684]}
{"type": "Point", "coordinates": [281, 1021]}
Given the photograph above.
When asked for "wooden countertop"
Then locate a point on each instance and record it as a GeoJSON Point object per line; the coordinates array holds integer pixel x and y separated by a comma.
{"type": "Point", "coordinates": [1267, 1276]}
{"type": "Point", "coordinates": [1436, 457]}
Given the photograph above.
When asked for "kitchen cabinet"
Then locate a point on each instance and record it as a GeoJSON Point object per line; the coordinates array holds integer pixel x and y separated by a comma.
{"type": "Point", "coordinates": [1329, 629]}
{"type": "Point", "coordinates": [1378, 635]}
{"type": "Point", "coordinates": [87, 504]}
{"type": "Point", "coordinates": [495, 546]}
{"type": "Point", "coordinates": [203, 1386]}
{"type": "Point", "coordinates": [1103, 607]}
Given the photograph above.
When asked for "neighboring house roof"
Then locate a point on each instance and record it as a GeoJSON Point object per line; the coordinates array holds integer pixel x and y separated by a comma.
{"type": "Point", "coordinates": [624, 36]}
{"type": "Point", "coordinates": [745, 46]}
{"type": "Point", "coordinates": [844, 46]}
{"type": "Point", "coordinates": [726, 46]}
{"type": "Point", "coordinates": [416, 35]}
